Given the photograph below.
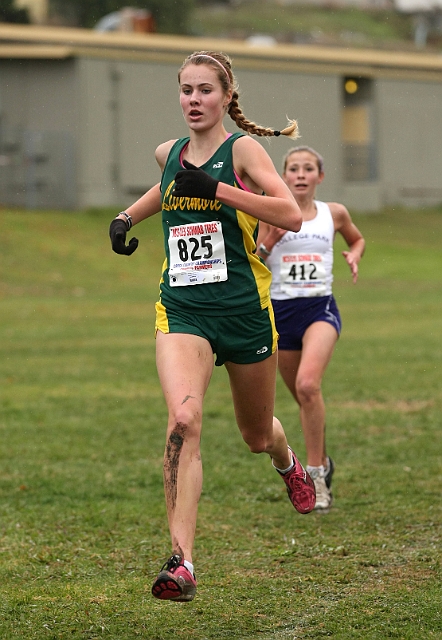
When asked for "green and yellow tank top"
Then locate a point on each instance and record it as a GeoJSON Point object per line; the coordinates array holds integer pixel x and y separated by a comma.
{"type": "Point", "coordinates": [211, 267]}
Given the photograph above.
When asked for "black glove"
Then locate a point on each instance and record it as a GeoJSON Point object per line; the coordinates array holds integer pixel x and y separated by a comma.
{"type": "Point", "coordinates": [117, 233]}
{"type": "Point", "coordinates": [194, 183]}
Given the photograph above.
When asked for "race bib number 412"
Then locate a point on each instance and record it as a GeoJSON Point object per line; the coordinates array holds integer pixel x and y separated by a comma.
{"type": "Point", "coordinates": [197, 254]}
{"type": "Point", "coordinates": [303, 275]}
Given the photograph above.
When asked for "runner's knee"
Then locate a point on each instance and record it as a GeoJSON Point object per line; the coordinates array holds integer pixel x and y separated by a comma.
{"type": "Point", "coordinates": [308, 389]}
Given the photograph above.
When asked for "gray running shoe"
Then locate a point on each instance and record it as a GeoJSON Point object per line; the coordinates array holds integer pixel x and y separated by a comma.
{"type": "Point", "coordinates": [324, 496]}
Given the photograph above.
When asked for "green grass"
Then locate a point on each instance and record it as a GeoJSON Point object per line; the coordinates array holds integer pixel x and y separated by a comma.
{"type": "Point", "coordinates": [82, 519]}
{"type": "Point", "coordinates": [307, 23]}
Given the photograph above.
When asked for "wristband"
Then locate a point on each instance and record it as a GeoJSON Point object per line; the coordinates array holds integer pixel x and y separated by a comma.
{"type": "Point", "coordinates": [264, 249]}
{"type": "Point", "coordinates": [128, 219]}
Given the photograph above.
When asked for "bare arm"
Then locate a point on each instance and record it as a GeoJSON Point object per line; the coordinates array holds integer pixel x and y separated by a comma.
{"type": "Point", "coordinates": [352, 236]}
{"type": "Point", "coordinates": [150, 203]}
{"type": "Point", "coordinates": [278, 207]}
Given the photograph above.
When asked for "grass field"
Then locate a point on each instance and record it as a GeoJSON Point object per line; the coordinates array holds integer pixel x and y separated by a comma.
{"type": "Point", "coordinates": [83, 528]}
{"type": "Point", "coordinates": [306, 22]}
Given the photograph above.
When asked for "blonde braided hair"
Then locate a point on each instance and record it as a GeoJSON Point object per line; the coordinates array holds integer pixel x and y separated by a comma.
{"type": "Point", "coordinates": [222, 64]}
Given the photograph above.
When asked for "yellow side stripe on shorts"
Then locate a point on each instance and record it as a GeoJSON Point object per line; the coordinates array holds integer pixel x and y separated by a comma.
{"type": "Point", "coordinates": [161, 319]}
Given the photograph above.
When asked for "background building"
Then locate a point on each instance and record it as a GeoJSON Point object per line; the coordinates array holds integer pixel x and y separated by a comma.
{"type": "Point", "coordinates": [38, 9]}
{"type": "Point", "coordinates": [81, 113]}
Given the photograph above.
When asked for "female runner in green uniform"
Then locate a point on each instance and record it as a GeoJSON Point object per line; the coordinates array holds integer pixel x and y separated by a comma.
{"type": "Point", "coordinates": [214, 295]}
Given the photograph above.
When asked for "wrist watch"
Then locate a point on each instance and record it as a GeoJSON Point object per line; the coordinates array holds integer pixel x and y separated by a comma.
{"type": "Point", "coordinates": [128, 219]}
{"type": "Point", "coordinates": [264, 249]}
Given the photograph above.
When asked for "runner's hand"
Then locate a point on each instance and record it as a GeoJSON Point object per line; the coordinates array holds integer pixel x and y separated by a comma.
{"type": "Point", "coordinates": [352, 263]}
{"type": "Point", "coordinates": [117, 233]}
{"type": "Point", "coordinates": [194, 183]}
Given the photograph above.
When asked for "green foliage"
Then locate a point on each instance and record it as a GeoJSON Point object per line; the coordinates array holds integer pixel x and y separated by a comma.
{"type": "Point", "coordinates": [170, 16]}
{"type": "Point", "coordinates": [10, 13]}
{"type": "Point", "coordinates": [82, 420]}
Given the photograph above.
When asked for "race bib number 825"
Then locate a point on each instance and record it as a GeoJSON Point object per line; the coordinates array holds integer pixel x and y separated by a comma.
{"type": "Point", "coordinates": [197, 254]}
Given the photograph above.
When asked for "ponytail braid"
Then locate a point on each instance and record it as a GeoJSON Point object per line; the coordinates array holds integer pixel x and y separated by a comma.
{"type": "Point", "coordinates": [235, 112]}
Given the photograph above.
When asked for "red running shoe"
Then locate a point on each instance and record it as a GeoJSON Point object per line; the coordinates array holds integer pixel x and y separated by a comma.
{"type": "Point", "coordinates": [174, 582]}
{"type": "Point", "coordinates": [300, 487]}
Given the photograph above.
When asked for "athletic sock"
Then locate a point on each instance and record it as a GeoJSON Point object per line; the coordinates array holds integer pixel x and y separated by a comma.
{"type": "Point", "coordinates": [284, 471]}
{"type": "Point", "coordinates": [321, 470]}
{"type": "Point", "coordinates": [189, 566]}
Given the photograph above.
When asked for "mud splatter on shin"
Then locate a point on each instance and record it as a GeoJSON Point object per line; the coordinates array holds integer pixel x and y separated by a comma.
{"type": "Point", "coordinates": [171, 462]}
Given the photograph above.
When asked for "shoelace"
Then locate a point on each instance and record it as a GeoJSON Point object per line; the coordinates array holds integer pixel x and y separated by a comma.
{"type": "Point", "coordinates": [172, 563]}
{"type": "Point", "coordinates": [297, 474]}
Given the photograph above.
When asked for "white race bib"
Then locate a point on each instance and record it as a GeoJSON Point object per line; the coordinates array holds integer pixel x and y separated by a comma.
{"type": "Point", "coordinates": [303, 275]}
{"type": "Point", "coordinates": [197, 254]}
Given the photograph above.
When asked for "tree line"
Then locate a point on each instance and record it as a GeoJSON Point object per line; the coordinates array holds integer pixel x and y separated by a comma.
{"type": "Point", "coordinates": [171, 16]}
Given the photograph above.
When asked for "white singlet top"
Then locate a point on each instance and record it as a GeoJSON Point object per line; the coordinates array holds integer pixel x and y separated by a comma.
{"type": "Point", "coordinates": [301, 263]}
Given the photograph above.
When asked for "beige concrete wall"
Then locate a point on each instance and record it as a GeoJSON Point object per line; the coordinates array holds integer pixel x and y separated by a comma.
{"type": "Point", "coordinates": [38, 94]}
{"type": "Point", "coordinates": [38, 130]}
{"type": "Point", "coordinates": [118, 142]}
{"type": "Point", "coordinates": [117, 109]}
{"type": "Point", "coordinates": [95, 185]}
{"type": "Point", "coordinates": [410, 141]}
